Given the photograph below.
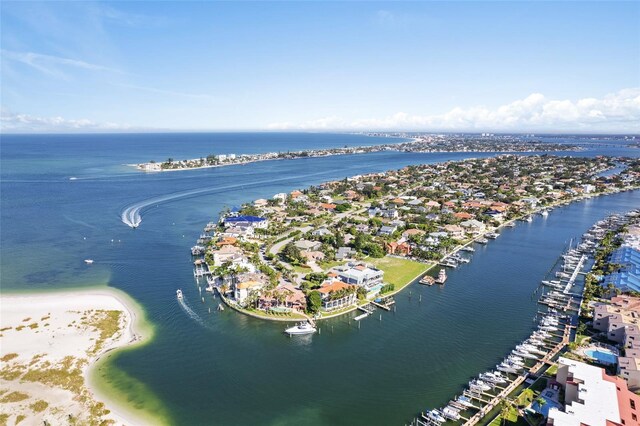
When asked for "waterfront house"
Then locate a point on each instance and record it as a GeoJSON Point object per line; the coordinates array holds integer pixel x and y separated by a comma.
{"type": "Point", "coordinates": [336, 295]}
{"type": "Point", "coordinates": [244, 287]}
{"type": "Point", "coordinates": [454, 231]}
{"type": "Point", "coordinates": [473, 226]}
{"type": "Point", "coordinates": [360, 274]}
{"type": "Point", "coordinates": [281, 196]}
{"type": "Point", "coordinates": [246, 221]}
{"type": "Point", "coordinates": [285, 295]}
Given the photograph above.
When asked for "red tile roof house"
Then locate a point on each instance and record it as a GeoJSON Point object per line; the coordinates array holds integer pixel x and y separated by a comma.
{"type": "Point", "coordinates": [463, 215]}
{"type": "Point", "coordinates": [403, 249]}
{"type": "Point", "coordinates": [285, 295]}
{"type": "Point", "coordinates": [327, 207]}
{"type": "Point", "coordinates": [337, 295]}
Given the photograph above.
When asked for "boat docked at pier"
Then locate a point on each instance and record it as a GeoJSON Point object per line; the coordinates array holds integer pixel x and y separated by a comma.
{"type": "Point", "coordinates": [301, 328]}
{"type": "Point", "coordinates": [436, 416]}
{"type": "Point", "coordinates": [442, 276]}
{"type": "Point", "coordinates": [427, 280]}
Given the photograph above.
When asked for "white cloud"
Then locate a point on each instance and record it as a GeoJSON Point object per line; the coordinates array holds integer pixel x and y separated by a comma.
{"type": "Point", "coordinates": [618, 111]}
{"type": "Point", "coordinates": [50, 64]}
{"type": "Point", "coordinates": [11, 122]}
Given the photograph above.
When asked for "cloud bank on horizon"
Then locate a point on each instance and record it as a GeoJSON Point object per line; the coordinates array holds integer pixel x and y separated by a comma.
{"type": "Point", "coordinates": [615, 112]}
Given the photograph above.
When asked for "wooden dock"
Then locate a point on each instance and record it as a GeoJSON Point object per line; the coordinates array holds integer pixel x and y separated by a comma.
{"type": "Point", "coordinates": [520, 379]}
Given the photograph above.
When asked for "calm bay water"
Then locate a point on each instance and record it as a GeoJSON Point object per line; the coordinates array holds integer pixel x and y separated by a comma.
{"type": "Point", "coordinates": [225, 368]}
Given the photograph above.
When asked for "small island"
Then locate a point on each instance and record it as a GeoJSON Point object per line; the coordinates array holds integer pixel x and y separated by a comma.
{"type": "Point", "coordinates": [486, 142]}
{"type": "Point", "coordinates": [343, 245]}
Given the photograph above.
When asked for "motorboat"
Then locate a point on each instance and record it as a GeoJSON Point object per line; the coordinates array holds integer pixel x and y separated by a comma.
{"type": "Point", "coordinates": [436, 416]}
{"type": "Point", "coordinates": [451, 412]}
{"type": "Point", "coordinates": [442, 276]}
{"type": "Point", "coordinates": [524, 354]}
{"type": "Point", "coordinates": [508, 367]}
{"type": "Point", "coordinates": [88, 261]}
{"type": "Point", "coordinates": [482, 241]}
{"type": "Point", "coordinates": [491, 235]}
{"type": "Point", "coordinates": [468, 249]}
{"type": "Point", "coordinates": [464, 400]}
{"type": "Point", "coordinates": [479, 385]}
{"type": "Point", "coordinates": [302, 328]}
{"type": "Point", "coordinates": [179, 294]}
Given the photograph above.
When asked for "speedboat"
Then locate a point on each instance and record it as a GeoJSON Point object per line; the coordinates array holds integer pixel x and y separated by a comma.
{"type": "Point", "coordinates": [88, 261]}
{"type": "Point", "coordinates": [524, 354]}
{"type": "Point", "coordinates": [179, 293]}
{"type": "Point", "coordinates": [468, 249]}
{"type": "Point", "coordinates": [466, 401]}
{"type": "Point", "coordinates": [492, 378]}
{"type": "Point", "coordinates": [544, 213]}
{"type": "Point", "coordinates": [302, 328]}
{"type": "Point", "coordinates": [479, 385]}
{"type": "Point", "coordinates": [436, 416]}
{"type": "Point", "coordinates": [482, 241]}
{"type": "Point", "coordinates": [508, 367]}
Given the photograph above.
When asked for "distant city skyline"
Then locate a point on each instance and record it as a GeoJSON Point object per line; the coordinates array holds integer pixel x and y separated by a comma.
{"type": "Point", "coordinates": [525, 67]}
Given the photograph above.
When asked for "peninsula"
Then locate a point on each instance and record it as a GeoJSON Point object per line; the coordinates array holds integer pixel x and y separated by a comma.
{"type": "Point", "coordinates": [418, 143]}
{"type": "Point", "coordinates": [339, 246]}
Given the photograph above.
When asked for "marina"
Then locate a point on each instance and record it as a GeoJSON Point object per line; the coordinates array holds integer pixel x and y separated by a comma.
{"type": "Point", "coordinates": [553, 332]}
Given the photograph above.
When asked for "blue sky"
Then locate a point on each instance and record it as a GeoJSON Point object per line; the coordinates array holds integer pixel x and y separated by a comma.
{"type": "Point", "coordinates": [516, 66]}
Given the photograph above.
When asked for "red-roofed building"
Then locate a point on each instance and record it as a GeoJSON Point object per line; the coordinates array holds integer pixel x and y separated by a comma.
{"type": "Point", "coordinates": [337, 295]}
{"type": "Point", "coordinates": [463, 215]}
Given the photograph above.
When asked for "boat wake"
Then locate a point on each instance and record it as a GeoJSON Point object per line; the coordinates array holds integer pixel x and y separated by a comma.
{"type": "Point", "coordinates": [132, 214]}
{"type": "Point", "coordinates": [185, 307]}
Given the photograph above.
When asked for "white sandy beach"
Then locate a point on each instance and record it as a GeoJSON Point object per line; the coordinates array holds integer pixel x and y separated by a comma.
{"type": "Point", "coordinates": [49, 342]}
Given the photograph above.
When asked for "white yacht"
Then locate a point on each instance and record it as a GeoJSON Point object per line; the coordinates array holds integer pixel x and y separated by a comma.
{"type": "Point", "coordinates": [302, 328]}
{"type": "Point", "coordinates": [179, 293]}
{"type": "Point", "coordinates": [88, 261]}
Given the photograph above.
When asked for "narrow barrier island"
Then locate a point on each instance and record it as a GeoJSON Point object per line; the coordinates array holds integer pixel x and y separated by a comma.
{"type": "Point", "coordinates": [417, 143]}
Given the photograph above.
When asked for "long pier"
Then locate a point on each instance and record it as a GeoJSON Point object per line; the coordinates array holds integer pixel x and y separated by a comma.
{"type": "Point", "coordinates": [575, 273]}
{"type": "Point", "coordinates": [493, 403]}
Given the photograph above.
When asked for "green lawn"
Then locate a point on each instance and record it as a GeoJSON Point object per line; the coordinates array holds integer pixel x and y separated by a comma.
{"type": "Point", "coordinates": [398, 272]}
{"type": "Point", "coordinates": [331, 264]}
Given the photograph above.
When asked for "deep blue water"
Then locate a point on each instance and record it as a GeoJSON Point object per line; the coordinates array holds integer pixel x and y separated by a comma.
{"type": "Point", "coordinates": [225, 368]}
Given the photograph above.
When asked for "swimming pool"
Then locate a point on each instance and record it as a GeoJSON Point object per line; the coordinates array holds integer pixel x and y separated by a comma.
{"type": "Point", "coordinates": [602, 355]}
